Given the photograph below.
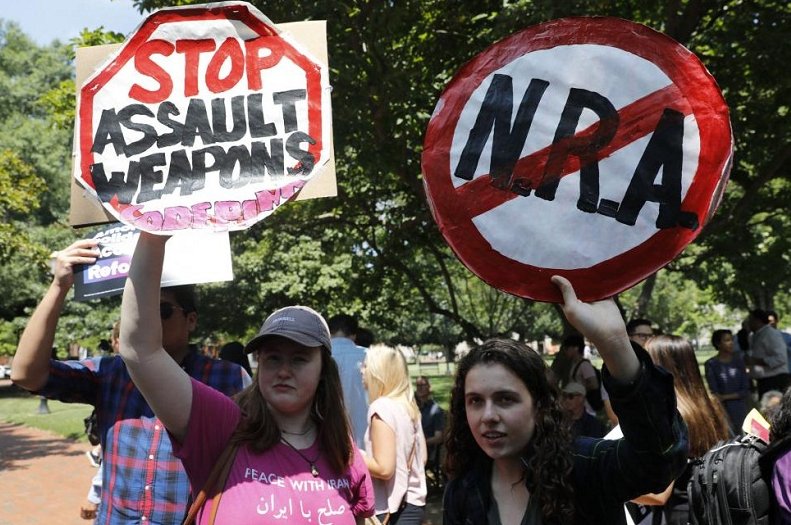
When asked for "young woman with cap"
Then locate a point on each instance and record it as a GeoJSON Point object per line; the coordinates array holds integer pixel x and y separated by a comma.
{"type": "Point", "coordinates": [282, 451]}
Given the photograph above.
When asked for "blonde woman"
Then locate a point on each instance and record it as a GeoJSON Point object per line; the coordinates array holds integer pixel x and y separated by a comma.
{"type": "Point", "coordinates": [394, 442]}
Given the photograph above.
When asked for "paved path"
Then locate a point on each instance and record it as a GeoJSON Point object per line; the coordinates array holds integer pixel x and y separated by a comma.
{"type": "Point", "coordinates": [43, 477]}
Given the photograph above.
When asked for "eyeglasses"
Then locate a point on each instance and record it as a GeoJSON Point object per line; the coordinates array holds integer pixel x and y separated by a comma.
{"type": "Point", "coordinates": [167, 309]}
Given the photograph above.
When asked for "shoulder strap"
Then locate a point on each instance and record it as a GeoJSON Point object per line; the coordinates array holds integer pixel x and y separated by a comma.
{"type": "Point", "coordinates": [214, 485]}
{"type": "Point", "coordinates": [576, 367]}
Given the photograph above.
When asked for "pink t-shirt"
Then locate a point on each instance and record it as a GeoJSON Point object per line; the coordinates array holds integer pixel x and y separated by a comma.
{"type": "Point", "coordinates": [412, 482]}
{"type": "Point", "coordinates": [274, 487]}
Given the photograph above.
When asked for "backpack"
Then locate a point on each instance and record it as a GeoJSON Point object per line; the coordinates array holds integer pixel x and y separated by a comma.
{"type": "Point", "coordinates": [92, 429]}
{"type": "Point", "coordinates": [593, 397]}
{"type": "Point", "coordinates": [726, 486]}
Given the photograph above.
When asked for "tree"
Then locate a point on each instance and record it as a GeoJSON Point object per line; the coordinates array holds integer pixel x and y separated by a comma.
{"type": "Point", "coordinates": [389, 62]}
{"type": "Point", "coordinates": [36, 112]}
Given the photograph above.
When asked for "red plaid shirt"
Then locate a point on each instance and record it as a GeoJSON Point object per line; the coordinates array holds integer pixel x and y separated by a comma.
{"type": "Point", "coordinates": [142, 481]}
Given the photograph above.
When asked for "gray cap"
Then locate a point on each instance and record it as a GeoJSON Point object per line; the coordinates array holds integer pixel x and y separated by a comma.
{"type": "Point", "coordinates": [575, 388]}
{"type": "Point", "coordinates": [301, 324]}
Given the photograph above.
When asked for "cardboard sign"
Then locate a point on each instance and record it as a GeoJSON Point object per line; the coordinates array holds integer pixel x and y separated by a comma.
{"type": "Point", "coordinates": [593, 148]}
{"type": "Point", "coordinates": [207, 117]}
{"type": "Point", "coordinates": [190, 258]}
{"type": "Point", "coordinates": [756, 425]}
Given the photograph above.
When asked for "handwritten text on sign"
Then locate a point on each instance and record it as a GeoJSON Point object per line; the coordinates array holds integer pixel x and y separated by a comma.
{"type": "Point", "coordinates": [593, 148]}
{"type": "Point", "coordinates": [536, 135]}
{"type": "Point", "coordinates": [207, 124]}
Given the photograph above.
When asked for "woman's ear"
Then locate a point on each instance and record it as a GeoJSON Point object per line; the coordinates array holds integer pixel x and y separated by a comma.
{"type": "Point", "coordinates": [192, 321]}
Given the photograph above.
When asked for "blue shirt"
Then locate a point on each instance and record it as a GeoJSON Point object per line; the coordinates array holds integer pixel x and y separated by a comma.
{"type": "Point", "coordinates": [350, 358]}
{"type": "Point", "coordinates": [141, 477]}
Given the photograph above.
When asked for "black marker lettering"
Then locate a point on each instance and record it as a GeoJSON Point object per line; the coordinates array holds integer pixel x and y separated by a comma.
{"type": "Point", "coordinates": [287, 99]}
{"type": "Point", "coordinates": [164, 111]}
{"type": "Point", "coordinates": [197, 123]}
{"type": "Point", "coordinates": [148, 131]}
{"type": "Point", "coordinates": [218, 119]}
{"type": "Point", "coordinates": [664, 151]}
{"type": "Point", "coordinates": [108, 132]}
{"type": "Point", "coordinates": [118, 184]}
{"type": "Point", "coordinates": [566, 144]}
{"type": "Point", "coordinates": [508, 141]}
{"type": "Point", "coordinates": [148, 176]}
{"type": "Point", "coordinates": [304, 158]}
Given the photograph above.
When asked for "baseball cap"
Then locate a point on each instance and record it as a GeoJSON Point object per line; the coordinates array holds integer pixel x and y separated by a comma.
{"type": "Point", "coordinates": [301, 324]}
{"type": "Point", "coordinates": [574, 388]}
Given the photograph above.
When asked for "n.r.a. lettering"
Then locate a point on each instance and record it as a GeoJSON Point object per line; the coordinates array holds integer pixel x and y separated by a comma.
{"type": "Point", "coordinates": [664, 151]}
{"type": "Point", "coordinates": [272, 152]}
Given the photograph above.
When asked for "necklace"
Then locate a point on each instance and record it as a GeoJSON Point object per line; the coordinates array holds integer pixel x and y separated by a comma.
{"type": "Point", "coordinates": [312, 462]}
{"type": "Point", "coordinates": [303, 433]}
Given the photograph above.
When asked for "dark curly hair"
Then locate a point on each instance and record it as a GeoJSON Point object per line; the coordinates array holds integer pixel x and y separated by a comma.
{"type": "Point", "coordinates": [548, 456]}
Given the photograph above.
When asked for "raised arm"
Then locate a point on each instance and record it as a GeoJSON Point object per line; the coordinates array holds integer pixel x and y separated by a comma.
{"type": "Point", "coordinates": [163, 383]}
{"type": "Point", "coordinates": [654, 449]}
{"type": "Point", "coordinates": [602, 324]}
{"type": "Point", "coordinates": [31, 361]}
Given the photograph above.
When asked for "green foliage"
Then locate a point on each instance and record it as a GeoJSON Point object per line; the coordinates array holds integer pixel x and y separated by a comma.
{"type": "Point", "coordinates": [390, 61]}
{"type": "Point", "coordinates": [374, 251]}
{"type": "Point", "coordinates": [680, 307]}
{"type": "Point", "coordinates": [19, 195]}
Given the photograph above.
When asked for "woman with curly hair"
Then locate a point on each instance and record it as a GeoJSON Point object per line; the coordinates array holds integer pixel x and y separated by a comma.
{"type": "Point", "coordinates": [510, 454]}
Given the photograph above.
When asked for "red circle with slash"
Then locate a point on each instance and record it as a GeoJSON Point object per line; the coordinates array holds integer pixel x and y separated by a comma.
{"type": "Point", "coordinates": [692, 94]}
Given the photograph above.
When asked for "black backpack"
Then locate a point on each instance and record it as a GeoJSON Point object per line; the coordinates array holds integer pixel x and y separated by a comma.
{"type": "Point", "coordinates": [726, 486]}
{"type": "Point", "coordinates": [92, 428]}
{"type": "Point", "coordinates": [592, 396]}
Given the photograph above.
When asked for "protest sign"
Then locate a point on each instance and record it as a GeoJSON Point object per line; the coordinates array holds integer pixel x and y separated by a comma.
{"type": "Point", "coordinates": [207, 117]}
{"type": "Point", "coordinates": [190, 258]}
{"type": "Point", "coordinates": [593, 148]}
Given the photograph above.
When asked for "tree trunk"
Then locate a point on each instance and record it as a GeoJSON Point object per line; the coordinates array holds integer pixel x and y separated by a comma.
{"type": "Point", "coordinates": [641, 308]}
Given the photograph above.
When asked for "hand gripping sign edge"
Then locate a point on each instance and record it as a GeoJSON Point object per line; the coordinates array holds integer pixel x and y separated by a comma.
{"type": "Point", "coordinates": [692, 90]}
{"type": "Point", "coordinates": [248, 211]}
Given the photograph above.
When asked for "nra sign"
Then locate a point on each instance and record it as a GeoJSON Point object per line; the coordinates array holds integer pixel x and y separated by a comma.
{"type": "Point", "coordinates": [208, 117]}
{"type": "Point", "coordinates": [593, 148]}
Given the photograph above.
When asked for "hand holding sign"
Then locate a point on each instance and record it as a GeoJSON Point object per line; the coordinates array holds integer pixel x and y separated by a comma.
{"type": "Point", "coordinates": [592, 148]}
{"type": "Point", "coordinates": [207, 118]}
{"type": "Point", "coordinates": [84, 251]}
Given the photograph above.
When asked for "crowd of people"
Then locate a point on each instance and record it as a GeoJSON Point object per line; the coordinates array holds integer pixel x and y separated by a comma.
{"type": "Point", "coordinates": [329, 429]}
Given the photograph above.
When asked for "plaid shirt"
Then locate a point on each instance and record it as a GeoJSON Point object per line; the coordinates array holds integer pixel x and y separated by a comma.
{"type": "Point", "coordinates": [142, 481]}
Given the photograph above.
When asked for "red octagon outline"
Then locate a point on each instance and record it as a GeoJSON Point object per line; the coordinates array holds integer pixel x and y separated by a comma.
{"type": "Point", "coordinates": [700, 94]}
{"type": "Point", "coordinates": [240, 12]}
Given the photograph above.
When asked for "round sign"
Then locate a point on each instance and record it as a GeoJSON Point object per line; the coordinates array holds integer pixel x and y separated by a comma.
{"type": "Point", "coordinates": [208, 117]}
{"type": "Point", "coordinates": [592, 148]}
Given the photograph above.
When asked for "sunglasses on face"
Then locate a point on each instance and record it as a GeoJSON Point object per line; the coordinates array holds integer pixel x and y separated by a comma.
{"type": "Point", "coordinates": [167, 309]}
{"type": "Point", "coordinates": [566, 395]}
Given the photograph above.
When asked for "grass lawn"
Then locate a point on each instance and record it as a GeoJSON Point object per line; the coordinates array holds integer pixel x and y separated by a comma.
{"type": "Point", "coordinates": [65, 419]}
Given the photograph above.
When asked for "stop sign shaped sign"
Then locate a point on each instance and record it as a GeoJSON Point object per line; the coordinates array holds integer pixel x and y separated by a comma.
{"type": "Point", "coordinates": [592, 148]}
{"type": "Point", "coordinates": [208, 117]}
